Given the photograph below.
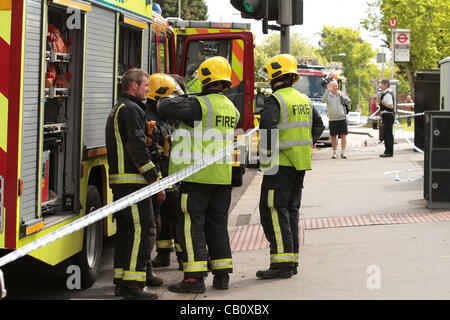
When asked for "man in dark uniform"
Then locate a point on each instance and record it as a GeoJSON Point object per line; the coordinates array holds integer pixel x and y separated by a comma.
{"type": "Point", "coordinates": [207, 126]}
{"type": "Point", "coordinates": [131, 168]}
{"type": "Point", "coordinates": [387, 117]}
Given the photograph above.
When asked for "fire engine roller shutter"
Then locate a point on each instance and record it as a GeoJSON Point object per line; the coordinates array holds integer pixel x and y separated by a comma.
{"type": "Point", "coordinates": [31, 108]}
{"type": "Point", "coordinates": [99, 79]}
{"type": "Point", "coordinates": [145, 49]}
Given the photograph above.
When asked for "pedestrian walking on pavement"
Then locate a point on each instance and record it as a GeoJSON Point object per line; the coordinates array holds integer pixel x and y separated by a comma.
{"type": "Point", "coordinates": [162, 85]}
{"type": "Point", "coordinates": [208, 121]}
{"type": "Point", "coordinates": [131, 168]}
{"type": "Point", "coordinates": [299, 126]}
{"type": "Point", "coordinates": [388, 117]}
{"type": "Point", "coordinates": [336, 110]}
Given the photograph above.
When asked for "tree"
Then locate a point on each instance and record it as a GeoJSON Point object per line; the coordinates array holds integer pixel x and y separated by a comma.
{"type": "Point", "coordinates": [429, 25]}
{"type": "Point", "coordinates": [190, 9]}
{"type": "Point", "coordinates": [358, 68]}
{"type": "Point", "coordinates": [271, 47]}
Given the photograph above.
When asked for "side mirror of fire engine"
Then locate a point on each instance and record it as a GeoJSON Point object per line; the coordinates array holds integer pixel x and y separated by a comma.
{"type": "Point", "coordinates": [2, 286]}
{"type": "Point", "coordinates": [259, 101]}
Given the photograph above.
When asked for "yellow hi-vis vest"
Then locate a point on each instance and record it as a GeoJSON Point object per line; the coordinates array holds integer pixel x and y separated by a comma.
{"type": "Point", "coordinates": [295, 137]}
{"type": "Point", "coordinates": [210, 135]}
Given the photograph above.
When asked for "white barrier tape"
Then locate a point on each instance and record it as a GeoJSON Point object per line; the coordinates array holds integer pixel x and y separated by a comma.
{"type": "Point", "coordinates": [397, 176]}
{"type": "Point", "coordinates": [406, 138]}
{"type": "Point", "coordinates": [397, 179]}
{"type": "Point", "coordinates": [2, 286]}
{"type": "Point", "coordinates": [409, 114]}
{"type": "Point", "coordinates": [121, 204]}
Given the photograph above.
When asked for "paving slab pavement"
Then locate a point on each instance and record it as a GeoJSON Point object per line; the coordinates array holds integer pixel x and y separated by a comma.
{"type": "Point", "coordinates": [370, 262]}
{"type": "Point", "coordinates": [374, 262]}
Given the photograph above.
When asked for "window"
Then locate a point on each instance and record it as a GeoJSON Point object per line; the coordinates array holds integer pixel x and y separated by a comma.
{"type": "Point", "coordinates": [199, 51]}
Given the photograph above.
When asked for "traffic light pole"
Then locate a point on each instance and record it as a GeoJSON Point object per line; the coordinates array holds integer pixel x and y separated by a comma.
{"type": "Point", "coordinates": [285, 39]}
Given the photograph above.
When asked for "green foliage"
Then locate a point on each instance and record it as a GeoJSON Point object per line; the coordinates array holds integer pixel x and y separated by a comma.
{"type": "Point", "coordinates": [190, 9]}
{"type": "Point", "coordinates": [429, 24]}
{"type": "Point", "coordinates": [357, 60]}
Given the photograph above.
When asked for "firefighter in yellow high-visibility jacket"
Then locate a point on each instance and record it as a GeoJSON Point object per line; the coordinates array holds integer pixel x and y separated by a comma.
{"type": "Point", "coordinates": [208, 121]}
{"type": "Point", "coordinates": [288, 119]}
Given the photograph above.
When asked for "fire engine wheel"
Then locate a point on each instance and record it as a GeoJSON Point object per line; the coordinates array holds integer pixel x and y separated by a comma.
{"type": "Point", "coordinates": [89, 258]}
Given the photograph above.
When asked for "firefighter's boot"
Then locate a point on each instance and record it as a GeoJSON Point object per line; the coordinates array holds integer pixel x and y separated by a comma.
{"type": "Point", "coordinates": [162, 259]}
{"type": "Point", "coordinates": [138, 293]}
{"type": "Point", "coordinates": [274, 273]}
{"type": "Point", "coordinates": [189, 285]}
{"type": "Point", "coordinates": [151, 279]}
{"type": "Point", "coordinates": [221, 281]}
{"type": "Point", "coordinates": [180, 263]}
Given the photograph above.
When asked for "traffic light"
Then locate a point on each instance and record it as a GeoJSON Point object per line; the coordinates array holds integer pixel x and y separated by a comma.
{"type": "Point", "coordinates": [285, 12]}
{"type": "Point", "coordinates": [257, 9]}
{"type": "Point", "coordinates": [290, 13]}
{"type": "Point", "coordinates": [297, 12]}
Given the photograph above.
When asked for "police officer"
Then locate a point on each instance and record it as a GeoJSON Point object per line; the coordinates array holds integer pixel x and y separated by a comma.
{"type": "Point", "coordinates": [162, 85]}
{"type": "Point", "coordinates": [290, 116]}
{"type": "Point", "coordinates": [387, 117]}
{"type": "Point", "coordinates": [207, 126]}
{"type": "Point", "coordinates": [131, 168]}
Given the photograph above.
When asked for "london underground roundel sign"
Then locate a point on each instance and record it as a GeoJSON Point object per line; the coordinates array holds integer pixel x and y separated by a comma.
{"type": "Point", "coordinates": [393, 23]}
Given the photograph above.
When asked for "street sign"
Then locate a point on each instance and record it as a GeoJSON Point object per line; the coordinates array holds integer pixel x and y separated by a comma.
{"type": "Point", "coordinates": [381, 57]}
{"type": "Point", "coordinates": [401, 45]}
{"type": "Point", "coordinates": [393, 23]}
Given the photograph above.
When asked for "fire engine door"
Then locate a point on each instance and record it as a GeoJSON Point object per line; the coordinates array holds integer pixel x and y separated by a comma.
{"type": "Point", "coordinates": [237, 48]}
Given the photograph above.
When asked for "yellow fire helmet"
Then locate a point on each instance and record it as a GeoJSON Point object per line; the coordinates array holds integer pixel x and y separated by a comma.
{"type": "Point", "coordinates": [214, 69]}
{"type": "Point", "coordinates": [160, 85]}
{"type": "Point", "coordinates": [278, 66]}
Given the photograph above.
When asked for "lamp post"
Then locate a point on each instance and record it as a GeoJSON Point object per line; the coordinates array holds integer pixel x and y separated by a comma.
{"type": "Point", "coordinates": [342, 54]}
{"type": "Point", "coordinates": [359, 84]}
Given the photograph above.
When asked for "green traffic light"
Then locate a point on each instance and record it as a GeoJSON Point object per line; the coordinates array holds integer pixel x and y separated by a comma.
{"type": "Point", "coordinates": [248, 7]}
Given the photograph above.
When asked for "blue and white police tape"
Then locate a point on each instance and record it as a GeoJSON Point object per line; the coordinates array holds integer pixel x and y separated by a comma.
{"type": "Point", "coordinates": [123, 203]}
{"type": "Point", "coordinates": [402, 133]}
{"type": "Point", "coordinates": [397, 173]}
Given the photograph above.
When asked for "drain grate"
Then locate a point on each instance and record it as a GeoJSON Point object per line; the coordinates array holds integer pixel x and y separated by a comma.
{"type": "Point", "coordinates": [251, 237]}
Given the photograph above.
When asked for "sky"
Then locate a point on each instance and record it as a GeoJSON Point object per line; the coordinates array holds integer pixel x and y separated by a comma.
{"type": "Point", "coordinates": [316, 14]}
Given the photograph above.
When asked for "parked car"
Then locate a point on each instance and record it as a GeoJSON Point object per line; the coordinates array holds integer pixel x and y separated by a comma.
{"type": "Point", "coordinates": [321, 108]}
{"type": "Point", "coordinates": [354, 118]}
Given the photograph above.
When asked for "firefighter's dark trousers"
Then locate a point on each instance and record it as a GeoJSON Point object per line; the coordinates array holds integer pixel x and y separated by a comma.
{"type": "Point", "coordinates": [202, 229]}
{"type": "Point", "coordinates": [169, 211]}
{"type": "Point", "coordinates": [279, 205]}
{"type": "Point", "coordinates": [135, 228]}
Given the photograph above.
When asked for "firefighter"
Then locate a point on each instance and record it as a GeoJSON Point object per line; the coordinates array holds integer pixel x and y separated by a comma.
{"type": "Point", "coordinates": [208, 121]}
{"type": "Point", "coordinates": [161, 85]}
{"type": "Point", "coordinates": [288, 120]}
{"type": "Point", "coordinates": [131, 168]}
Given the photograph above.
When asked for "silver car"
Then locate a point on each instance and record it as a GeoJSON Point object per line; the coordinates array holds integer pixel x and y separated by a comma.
{"type": "Point", "coordinates": [354, 118]}
{"type": "Point", "coordinates": [321, 108]}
